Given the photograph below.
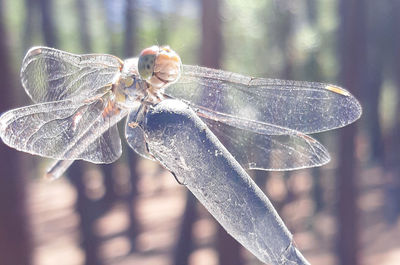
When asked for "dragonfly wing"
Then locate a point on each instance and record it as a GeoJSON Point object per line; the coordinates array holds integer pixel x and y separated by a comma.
{"type": "Point", "coordinates": [49, 74]}
{"type": "Point", "coordinates": [289, 151]}
{"type": "Point", "coordinates": [105, 149]}
{"type": "Point", "coordinates": [308, 107]}
{"type": "Point", "coordinates": [62, 130]}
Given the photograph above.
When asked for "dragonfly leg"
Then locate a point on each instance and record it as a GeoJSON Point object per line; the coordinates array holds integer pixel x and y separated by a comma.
{"type": "Point", "coordinates": [133, 124]}
{"type": "Point", "coordinates": [177, 179]}
{"type": "Point", "coordinates": [57, 169]}
{"type": "Point", "coordinates": [164, 166]}
{"type": "Point", "coordinates": [139, 114]}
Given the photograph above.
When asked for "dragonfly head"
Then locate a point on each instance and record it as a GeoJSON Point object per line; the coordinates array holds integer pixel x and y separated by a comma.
{"type": "Point", "coordinates": [159, 66]}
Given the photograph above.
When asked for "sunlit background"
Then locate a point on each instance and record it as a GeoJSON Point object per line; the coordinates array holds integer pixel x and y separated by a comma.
{"type": "Point", "coordinates": [133, 211]}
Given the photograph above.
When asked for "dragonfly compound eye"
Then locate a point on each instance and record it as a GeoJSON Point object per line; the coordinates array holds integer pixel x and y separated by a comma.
{"type": "Point", "coordinates": [159, 66]}
{"type": "Point", "coordinates": [167, 68]}
{"type": "Point", "coordinates": [147, 61]}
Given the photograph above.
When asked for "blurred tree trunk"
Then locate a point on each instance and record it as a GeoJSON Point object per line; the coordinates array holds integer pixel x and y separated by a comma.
{"type": "Point", "coordinates": [29, 23]}
{"type": "Point", "coordinates": [113, 26]}
{"type": "Point", "coordinates": [131, 198]}
{"type": "Point", "coordinates": [211, 51]}
{"type": "Point", "coordinates": [283, 28]}
{"type": "Point", "coordinates": [371, 107]}
{"type": "Point", "coordinates": [110, 195]}
{"type": "Point", "coordinates": [211, 44]}
{"type": "Point", "coordinates": [130, 28]}
{"type": "Point", "coordinates": [15, 240]}
{"type": "Point", "coordinates": [352, 50]}
{"type": "Point", "coordinates": [116, 49]}
{"type": "Point", "coordinates": [395, 142]}
{"type": "Point", "coordinates": [89, 211]}
{"type": "Point", "coordinates": [312, 9]}
{"type": "Point", "coordinates": [211, 56]}
{"type": "Point", "coordinates": [130, 50]}
{"type": "Point", "coordinates": [48, 25]}
{"type": "Point", "coordinates": [313, 73]}
{"type": "Point", "coordinates": [163, 28]}
{"type": "Point", "coordinates": [184, 245]}
{"type": "Point", "coordinates": [379, 51]}
{"type": "Point", "coordinates": [83, 26]}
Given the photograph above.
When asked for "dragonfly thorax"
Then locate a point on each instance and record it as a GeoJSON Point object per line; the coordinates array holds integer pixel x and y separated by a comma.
{"type": "Point", "coordinates": [128, 87]}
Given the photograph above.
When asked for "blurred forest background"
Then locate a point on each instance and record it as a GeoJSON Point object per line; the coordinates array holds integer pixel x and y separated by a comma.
{"type": "Point", "coordinates": [133, 211]}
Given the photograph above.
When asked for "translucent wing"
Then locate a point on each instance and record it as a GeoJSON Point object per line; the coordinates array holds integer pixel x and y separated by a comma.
{"type": "Point", "coordinates": [64, 130]}
{"type": "Point", "coordinates": [288, 150]}
{"type": "Point", "coordinates": [51, 75]}
{"type": "Point", "coordinates": [106, 148]}
{"type": "Point", "coordinates": [308, 107]}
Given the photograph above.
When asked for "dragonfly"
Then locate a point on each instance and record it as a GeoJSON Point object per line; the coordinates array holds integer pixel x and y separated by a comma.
{"type": "Point", "coordinates": [79, 100]}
